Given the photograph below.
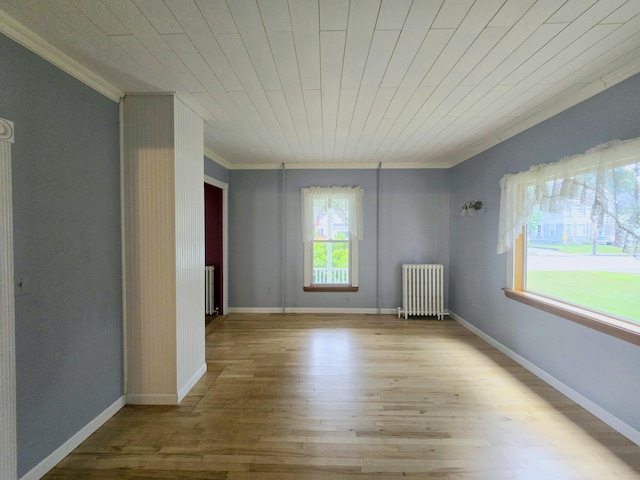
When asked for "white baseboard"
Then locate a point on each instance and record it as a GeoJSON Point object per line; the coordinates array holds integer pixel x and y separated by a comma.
{"type": "Point", "coordinates": [152, 399]}
{"type": "Point", "coordinates": [166, 398]}
{"type": "Point", "coordinates": [67, 447]}
{"type": "Point", "coordinates": [321, 310]}
{"type": "Point", "coordinates": [254, 310]}
{"type": "Point", "coordinates": [189, 385]}
{"type": "Point", "coordinates": [315, 310]}
{"type": "Point", "coordinates": [595, 409]}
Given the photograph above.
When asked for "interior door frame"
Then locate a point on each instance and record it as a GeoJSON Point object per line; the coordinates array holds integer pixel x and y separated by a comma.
{"type": "Point", "coordinates": [8, 429]}
{"type": "Point", "coordinates": [225, 237]}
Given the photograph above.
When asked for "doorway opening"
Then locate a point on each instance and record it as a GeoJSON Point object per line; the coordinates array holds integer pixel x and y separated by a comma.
{"type": "Point", "coordinates": [215, 241]}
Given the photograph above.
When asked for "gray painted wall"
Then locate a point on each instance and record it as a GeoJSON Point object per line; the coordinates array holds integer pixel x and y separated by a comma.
{"type": "Point", "coordinates": [413, 228]}
{"type": "Point", "coordinates": [601, 368]}
{"type": "Point", "coordinates": [255, 238]}
{"type": "Point", "coordinates": [66, 197]}
{"type": "Point", "coordinates": [215, 170]}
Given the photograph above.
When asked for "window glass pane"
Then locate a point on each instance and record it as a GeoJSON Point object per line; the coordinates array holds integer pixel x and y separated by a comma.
{"type": "Point", "coordinates": [330, 262]}
{"type": "Point", "coordinates": [320, 259]}
{"type": "Point", "coordinates": [330, 225]}
{"type": "Point", "coordinates": [591, 264]}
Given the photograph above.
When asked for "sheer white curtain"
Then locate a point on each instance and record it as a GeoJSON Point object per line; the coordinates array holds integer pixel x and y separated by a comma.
{"type": "Point", "coordinates": [346, 202]}
{"type": "Point", "coordinates": [606, 179]}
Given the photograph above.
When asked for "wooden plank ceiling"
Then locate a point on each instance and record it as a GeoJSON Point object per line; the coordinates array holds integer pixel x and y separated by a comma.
{"type": "Point", "coordinates": [344, 82]}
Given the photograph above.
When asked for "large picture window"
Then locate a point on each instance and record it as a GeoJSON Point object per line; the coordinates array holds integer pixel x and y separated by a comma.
{"type": "Point", "coordinates": [594, 268]}
{"type": "Point", "coordinates": [332, 226]}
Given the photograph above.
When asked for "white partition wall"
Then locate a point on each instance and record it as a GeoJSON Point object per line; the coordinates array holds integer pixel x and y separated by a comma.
{"type": "Point", "coordinates": [189, 214]}
{"type": "Point", "coordinates": [164, 248]}
{"type": "Point", "coordinates": [8, 443]}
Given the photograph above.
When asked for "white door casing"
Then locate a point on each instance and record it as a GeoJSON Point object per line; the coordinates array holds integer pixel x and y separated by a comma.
{"type": "Point", "coordinates": [225, 222]}
{"type": "Point", "coordinates": [8, 438]}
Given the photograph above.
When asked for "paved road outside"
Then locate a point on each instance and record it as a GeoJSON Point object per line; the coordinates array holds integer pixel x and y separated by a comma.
{"type": "Point", "coordinates": [546, 259]}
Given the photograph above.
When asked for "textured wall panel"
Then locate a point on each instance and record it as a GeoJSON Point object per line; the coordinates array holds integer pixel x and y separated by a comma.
{"type": "Point", "coordinates": [150, 244]}
{"type": "Point", "coordinates": [189, 235]}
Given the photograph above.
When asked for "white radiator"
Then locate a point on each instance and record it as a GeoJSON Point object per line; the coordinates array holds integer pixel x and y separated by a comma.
{"type": "Point", "coordinates": [209, 304]}
{"type": "Point", "coordinates": [422, 290]}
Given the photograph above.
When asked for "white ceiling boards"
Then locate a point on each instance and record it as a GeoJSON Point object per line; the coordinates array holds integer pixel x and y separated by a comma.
{"type": "Point", "coordinates": [335, 83]}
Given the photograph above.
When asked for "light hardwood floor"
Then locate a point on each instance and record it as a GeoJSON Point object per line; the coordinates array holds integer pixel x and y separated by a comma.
{"type": "Point", "coordinates": [310, 397]}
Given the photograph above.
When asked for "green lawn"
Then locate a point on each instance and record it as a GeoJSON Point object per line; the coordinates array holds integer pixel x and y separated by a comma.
{"type": "Point", "coordinates": [580, 248]}
{"type": "Point", "coordinates": [616, 293]}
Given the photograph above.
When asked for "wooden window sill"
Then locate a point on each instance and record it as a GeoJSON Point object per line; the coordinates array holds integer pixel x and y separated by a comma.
{"type": "Point", "coordinates": [610, 325]}
{"type": "Point", "coordinates": [333, 288]}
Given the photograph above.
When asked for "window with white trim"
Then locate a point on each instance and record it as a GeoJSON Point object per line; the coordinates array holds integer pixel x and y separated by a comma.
{"type": "Point", "coordinates": [596, 274]}
{"type": "Point", "coordinates": [332, 227]}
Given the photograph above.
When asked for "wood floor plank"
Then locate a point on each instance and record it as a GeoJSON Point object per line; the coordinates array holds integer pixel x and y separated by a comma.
{"type": "Point", "coordinates": [310, 397]}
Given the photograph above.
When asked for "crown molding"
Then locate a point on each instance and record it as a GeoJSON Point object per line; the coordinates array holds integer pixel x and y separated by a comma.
{"type": "Point", "coordinates": [330, 165]}
{"type": "Point", "coordinates": [154, 94]}
{"type": "Point", "coordinates": [34, 42]}
{"type": "Point", "coordinates": [256, 166]}
{"type": "Point", "coordinates": [217, 159]}
{"type": "Point", "coordinates": [336, 166]}
{"type": "Point", "coordinates": [413, 166]}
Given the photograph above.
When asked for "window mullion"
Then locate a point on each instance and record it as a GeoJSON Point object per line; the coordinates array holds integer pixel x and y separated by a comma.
{"type": "Point", "coordinates": [519, 267]}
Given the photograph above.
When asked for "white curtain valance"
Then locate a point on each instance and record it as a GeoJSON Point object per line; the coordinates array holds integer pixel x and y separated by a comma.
{"type": "Point", "coordinates": [605, 179]}
{"type": "Point", "coordinates": [346, 202]}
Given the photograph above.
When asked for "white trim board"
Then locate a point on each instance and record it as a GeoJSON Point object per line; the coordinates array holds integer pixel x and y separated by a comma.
{"type": "Point", "coordinates": [254, 310]}
{"type": "Point", "coordinates": [184, 391]}
{"type": "Point", "coordinates": [152, 399]}
{"type": "Point", "coordinates": [166, 398]}
{"type": "Point", "coordinates": [317, 310]}
{"type": "Point", "coordinates": [214, 157]}
{"type": "Point", "coordinates": [123, 248]}
{"type": "Point", "coordinates": [334, 166]}
{"type": "Point", "coordinates": [8, 423]}
{"type": "Point", "coordinates": [593, 408]}
{"type": "Point", "coordinates": [215, 182]}
{"type": "Point", "coordinates": [325, 310]}
{"type": "Point", "coordinates": [67, 447]}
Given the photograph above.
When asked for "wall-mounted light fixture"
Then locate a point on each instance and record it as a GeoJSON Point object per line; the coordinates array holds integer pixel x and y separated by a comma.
{"type": "Point", "coordinates": [470, 208]}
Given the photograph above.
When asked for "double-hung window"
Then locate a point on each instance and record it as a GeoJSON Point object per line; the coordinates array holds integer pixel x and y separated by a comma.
{"type": "Point", "coordinates": [591, 274]}
{"type": "Point", "coordinates": [332, 226]}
